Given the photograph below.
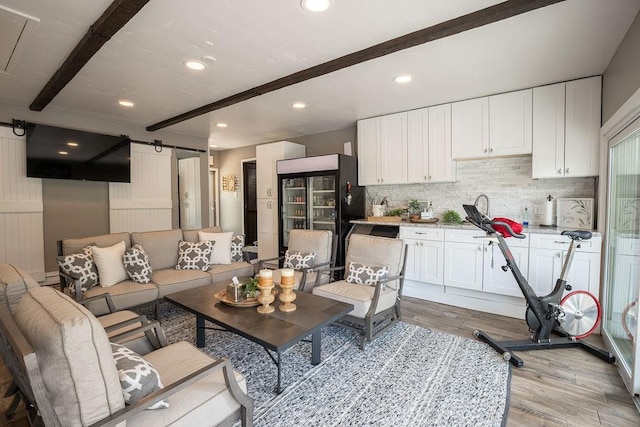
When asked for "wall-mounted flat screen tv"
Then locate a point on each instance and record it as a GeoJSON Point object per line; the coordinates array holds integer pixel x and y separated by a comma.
{"type": "Point", "coordinates": [59, 153]}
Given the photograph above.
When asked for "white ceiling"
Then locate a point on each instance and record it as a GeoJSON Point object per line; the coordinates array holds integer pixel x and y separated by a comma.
{"type": "Point", "coordinates": [257, 41]}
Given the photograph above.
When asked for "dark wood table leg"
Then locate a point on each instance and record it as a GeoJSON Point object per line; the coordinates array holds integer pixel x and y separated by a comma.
{"type": "Point", "coordinates": [200, 331]}
{"type": "Point", "coordinates": [315, 347]}
{"type": "Point", "coordinates": [279, 388]}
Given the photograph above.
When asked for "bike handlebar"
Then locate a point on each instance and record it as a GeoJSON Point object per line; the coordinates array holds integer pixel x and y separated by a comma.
{"type": "Point", "coordinates": [507, 227]}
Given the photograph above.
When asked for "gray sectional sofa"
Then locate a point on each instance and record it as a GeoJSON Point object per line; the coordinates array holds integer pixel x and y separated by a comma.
{"type": "Point", "coordinates": [162, 250]}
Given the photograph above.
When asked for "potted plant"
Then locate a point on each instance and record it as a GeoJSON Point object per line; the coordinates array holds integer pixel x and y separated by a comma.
{"type": "Point", "coordinates": [413, 208]}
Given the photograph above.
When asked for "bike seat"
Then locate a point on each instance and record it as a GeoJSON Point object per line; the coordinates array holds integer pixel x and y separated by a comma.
{"type": "Point", "coordinates": [577, 234]}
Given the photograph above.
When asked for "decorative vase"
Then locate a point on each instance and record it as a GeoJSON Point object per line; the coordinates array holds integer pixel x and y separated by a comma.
{"type": "Point", "coordinates": [287, 296]}
{"type": "Point", "coordinates": [265, 284]}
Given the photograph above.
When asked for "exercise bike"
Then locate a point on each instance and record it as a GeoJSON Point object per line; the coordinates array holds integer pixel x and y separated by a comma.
{"type": "Point", "coordinates": [573, 317]}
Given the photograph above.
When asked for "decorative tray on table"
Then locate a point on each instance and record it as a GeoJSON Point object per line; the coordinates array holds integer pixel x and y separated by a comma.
{"type": "Point", "coordinates": [425, 221]}
{"type": "Point", "coordinates": [249, 302]}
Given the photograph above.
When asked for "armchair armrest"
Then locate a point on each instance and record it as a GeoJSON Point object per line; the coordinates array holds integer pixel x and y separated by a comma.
{"type": "Point", "coordinates": [66, 280]}
{"type": "Point", "coordinates": [326, 271]}
{"type": "Point", "coordinates": [305, 271]}
{"type": "Point", "coordinates": [380, 285]}
{"type": "Point", "coordinates": [152, 331]}
{"type": "Point", "coordinates": [246, 402]}
{"type": "Point", "coordinates": [261, 262]}
{"type": "Point", "coordinates": [105, 296]}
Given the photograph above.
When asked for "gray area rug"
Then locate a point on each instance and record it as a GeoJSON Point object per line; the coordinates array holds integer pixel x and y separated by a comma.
{"type": "Point", "coordinates": [410, 376]}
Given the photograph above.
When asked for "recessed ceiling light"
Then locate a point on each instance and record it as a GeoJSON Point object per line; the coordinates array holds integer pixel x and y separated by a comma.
{"type": "Point", "coordinates": [195, 65]}
{"type": "Point", "coordinates": [299, 105]}
{"type": "Point", "coordinates": [315, 5]}
{"type": "Point", "coordinates": [125, 103]}
{"type": "Point", "coordinates": [213, 146]}
{"type": "Point", "coordinates": [72, 144]}
{"type": "Point", "coordinates": [221, 125]}
{"type": "Point", "coordinates": [64, 153]}
{"type": "Point", "coordinates": [405, 78]}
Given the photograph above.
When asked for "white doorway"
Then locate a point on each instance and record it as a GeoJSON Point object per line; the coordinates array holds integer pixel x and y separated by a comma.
{"type": "Point", "coordinates": [189, 193]}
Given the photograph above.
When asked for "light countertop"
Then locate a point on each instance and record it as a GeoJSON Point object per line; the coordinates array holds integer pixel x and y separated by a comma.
{"type": "Point", "coordinates": [531, 229]}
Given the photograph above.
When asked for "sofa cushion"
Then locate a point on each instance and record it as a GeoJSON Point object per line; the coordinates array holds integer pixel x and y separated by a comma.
{"type": "Point", "coordinates": [237, 243]}
{"type": "Point", "coordinates": [74, 246]}
{"type": "Point", "coordinates": [363, 274]}
{"type": "Point", "coordinates": [192, 235]}
{"type": "Point", "coordinates": [14, 283]}
{"type": "Point", "coordinates": [221, 253]}
{"type": "Point", "coordinates": [359, 296]}
{"type": "Point", "coordinates": [80, 267]}
{"type": "Point", "coordinates": [169, 281]}
{"type": "Point", "coordinates": [206, 402]}
{"type": "Point", "coordinates": [126, 294]}
{"type": "Point", "coordinates": [223, 272]}
{"type": "Point", "coordinates": [74, 356]}
{"type": "Point", "coordinates": [138, 377]}
{"type": "Point", "coordinates": [160, 246]}
{"type": "Point", "coordinates": [109, 262]}
{"type": "Point", "coordinates": [136, 263]}
{"type": "Point", "coordinates": [195, 256]}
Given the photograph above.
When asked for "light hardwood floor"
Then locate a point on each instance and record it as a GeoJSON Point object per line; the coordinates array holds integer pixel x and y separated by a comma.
{"type": "Point", "coordinates": [566, 387]}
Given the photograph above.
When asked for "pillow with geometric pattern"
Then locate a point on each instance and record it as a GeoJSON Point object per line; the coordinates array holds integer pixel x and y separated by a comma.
{"type": "Point", "coordinates": [81, 268]}
{"type": "Point", "coordinates": [237, 243]}
{"type": "Point", "coordinates": [138, 377]}
{"type": "Point", "coordinates": [136, 263]}
{"type": "Point", "coordinates": [298, 260]}
{"type": "Point", "coordinates": [194, 256]}
{"type": "Point", "coordinates": [362, 274]}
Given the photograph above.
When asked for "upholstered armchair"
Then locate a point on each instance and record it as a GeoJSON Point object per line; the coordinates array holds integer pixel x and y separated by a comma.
{"type": "Point", "coordinates": [70, 372]}
{"type": "Point", "coordinates": [308, 251]}
{"type": "Point", "coordinates": [372, 282]}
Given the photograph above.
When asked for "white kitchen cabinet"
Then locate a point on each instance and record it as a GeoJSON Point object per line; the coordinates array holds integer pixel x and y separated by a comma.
{"type": "Point", "coordinates": [382, 150]}
{"type": "Point", "coordinates": [429, 145]}
{"type": "Point", "coordinates": [566, 129]}
{"type": "Point", "coordinates": [267, 192]}
{"type": "Point", "coordinates": [470, 129]}
{"type": "Point", "coordinates": [425, 254]}
{"type": "Point", "coordinates": [498, 281]}
{"type": "Point", "coordinates": [463, 265]}
{"type": "Point", "coordinates": [510, 121]}
{"type": "Point", "coordinates": [547, 254]}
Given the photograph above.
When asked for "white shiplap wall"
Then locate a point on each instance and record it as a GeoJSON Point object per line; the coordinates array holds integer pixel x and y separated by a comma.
{"type": "Point", "coordinates": [145, 203]}
{"type": "Point", "coordinates": [21, 227]}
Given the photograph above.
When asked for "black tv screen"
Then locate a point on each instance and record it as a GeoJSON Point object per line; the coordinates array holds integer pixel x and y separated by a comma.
{"type": "Point", "coordinates": [54, 152]}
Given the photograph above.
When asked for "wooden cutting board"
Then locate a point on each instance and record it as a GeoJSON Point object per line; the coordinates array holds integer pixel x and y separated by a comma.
{"type": "Point", "coordinates": [384, 219]}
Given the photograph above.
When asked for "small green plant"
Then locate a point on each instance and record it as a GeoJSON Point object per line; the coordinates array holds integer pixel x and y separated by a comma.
{"type": "Point", "coordinates": [251, 287]}
{"type": "Point", "coordinates": [451, 217]}
{"type": "Point", "coordinates": [396, 212]}
{"type": "Point", "coordinates": [413, 206]}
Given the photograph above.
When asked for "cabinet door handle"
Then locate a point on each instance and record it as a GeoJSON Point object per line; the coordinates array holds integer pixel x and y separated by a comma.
{"type": "Point", "coordinates": [425, 178]}
{"type": "Point", "coordinates": [558, 255]}
{"type": "Point", "coordinates": [561, 242]}
{"type": "Point", "coordinates": [559, 171]}
{"type": "Point", "coordinates": [485, 151]}
{"type": "Point", "coordinates": [429, 177]}
{"type": "Point", "coordinates": [491, 150]}
{"type": "Point", "coordinates": [479, 248]}
{"type": "Point", "coordinates": [381, 179]}
{"type": "Point", "coordinates": [567, 171]}
{"type": "Point", "coordinates": [420, 232]}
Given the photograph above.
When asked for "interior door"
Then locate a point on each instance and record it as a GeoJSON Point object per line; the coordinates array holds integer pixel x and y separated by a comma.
{"type": "Point", "coordinates": [249, 191]}
{"type": "Point", "coordinates": [189, 193]}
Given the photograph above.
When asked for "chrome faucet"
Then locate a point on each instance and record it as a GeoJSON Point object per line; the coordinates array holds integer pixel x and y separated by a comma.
{"type": "Point", "coordinates": [478, 199]}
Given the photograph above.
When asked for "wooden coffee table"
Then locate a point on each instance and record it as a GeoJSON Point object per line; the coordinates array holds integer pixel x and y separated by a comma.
{"type": "Point", "coordinates": [275, 332]}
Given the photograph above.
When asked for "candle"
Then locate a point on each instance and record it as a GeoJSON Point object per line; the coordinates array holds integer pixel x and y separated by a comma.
{"type": "Point", "coordinates": [266, 273]}
{"type": "Point", "coordinates": [286, 272]}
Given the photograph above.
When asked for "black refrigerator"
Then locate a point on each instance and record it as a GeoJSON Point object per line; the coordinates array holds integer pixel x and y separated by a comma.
{"type": "Point", "coordinates": [319, 193]}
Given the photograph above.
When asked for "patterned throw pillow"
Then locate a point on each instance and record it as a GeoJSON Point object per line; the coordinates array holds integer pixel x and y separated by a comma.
{"type": "Point", "coordinates": [362, 274]}
{"type": "Point", "coordinates": [81, 268]}
{"type": "Point", "coordinates": [136, 262]}
{"type": "Point", "coordinates": [138, 378]}
{"type": "Point", "coordinates": [194, 256]}
{"type": "Point", "coordinates": [298, 260]}
{"type": "Point", "coordinates": [237, 243]}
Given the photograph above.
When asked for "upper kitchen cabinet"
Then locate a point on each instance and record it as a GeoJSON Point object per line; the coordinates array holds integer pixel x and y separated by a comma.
{"type": "Point", "coordinates": [566, 129]}
{"type": "Point", "coordinates": [510, 123]}
{"type": "Point", "coordinates": [470, 129]}
{"type": "Point", "coordinates": [429, 145]}
{"type": "Point", "coordinates": [382, 150]}
{"type": "Point", "coordinates": [266, 157]}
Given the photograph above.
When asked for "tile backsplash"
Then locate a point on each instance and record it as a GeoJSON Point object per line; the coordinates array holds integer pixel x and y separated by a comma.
{"type": "Point", "coordinates": [506, 181]}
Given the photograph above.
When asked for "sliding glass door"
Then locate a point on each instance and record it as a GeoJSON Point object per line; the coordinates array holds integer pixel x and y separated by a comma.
{"type": "Point", "coordinates": [622, 290]}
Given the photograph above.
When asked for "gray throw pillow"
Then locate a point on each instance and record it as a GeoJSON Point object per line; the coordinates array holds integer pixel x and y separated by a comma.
{"type": "Point", "coordinates": [362, 274]}
{"type": "Point", "coordinates": [194, 256]}
{"type": "Point", "coordinates": [237, 243]}
{"type": "Point", "coordinates": [298, 260]}
{"type": "Point", "coordinates": [136, 263]}
{"type": "Point", "coordinates": [81, 268]}
{"type": "Point", "coordinates": [138, 378]}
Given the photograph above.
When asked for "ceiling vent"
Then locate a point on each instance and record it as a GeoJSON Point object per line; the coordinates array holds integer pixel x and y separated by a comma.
{"type": "Point", "coordinates": [16, 29]}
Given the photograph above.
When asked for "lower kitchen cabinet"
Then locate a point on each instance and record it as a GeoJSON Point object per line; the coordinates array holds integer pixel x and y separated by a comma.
{"type": "Point", "coordinates": [496, 280]}
{"type": "Point", "coordinates": [463, 265]}
{"type": "Point", "coordinates": [425, 254]}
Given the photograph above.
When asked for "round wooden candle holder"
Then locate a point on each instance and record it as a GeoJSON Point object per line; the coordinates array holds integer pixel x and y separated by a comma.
{"type": "Point", "coordinates": [265, 284]}
{"type": "Point", "coordinates": [287, 296]}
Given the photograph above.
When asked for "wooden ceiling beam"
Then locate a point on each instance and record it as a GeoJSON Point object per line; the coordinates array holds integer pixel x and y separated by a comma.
{"type": "Point", "coordinates": [111, 21]}
{"type": "Point", "coordinates": [454, 26]}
